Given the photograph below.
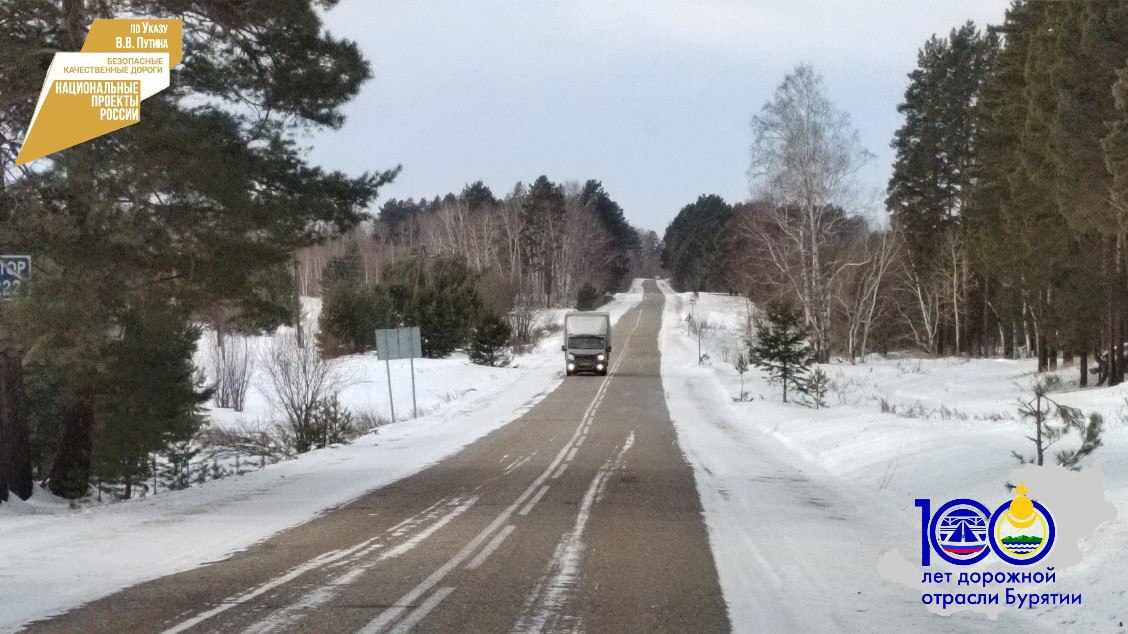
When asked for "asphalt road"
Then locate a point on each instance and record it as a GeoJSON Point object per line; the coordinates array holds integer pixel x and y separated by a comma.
{"type": "Point", "coordinates": [582, 515]}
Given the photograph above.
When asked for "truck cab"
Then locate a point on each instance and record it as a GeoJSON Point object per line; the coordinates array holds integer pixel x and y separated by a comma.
{"type": "Point", "coordinates": [587, 342]}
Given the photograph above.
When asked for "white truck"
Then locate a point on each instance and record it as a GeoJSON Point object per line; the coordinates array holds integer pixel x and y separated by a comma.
{"type": "Point", "coordinates": [587, 342]}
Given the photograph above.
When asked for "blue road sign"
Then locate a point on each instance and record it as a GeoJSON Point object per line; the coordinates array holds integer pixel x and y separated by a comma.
{"type": "Point", "coordinates": [15, 276]}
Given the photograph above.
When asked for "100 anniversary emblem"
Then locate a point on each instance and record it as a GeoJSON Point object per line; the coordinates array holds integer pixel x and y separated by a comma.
{"type": "Point", "coordinates": [963, 531]}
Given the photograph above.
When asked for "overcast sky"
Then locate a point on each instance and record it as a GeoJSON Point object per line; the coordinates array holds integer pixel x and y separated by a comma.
{"type": "Point", "coordinates": [652, 98]}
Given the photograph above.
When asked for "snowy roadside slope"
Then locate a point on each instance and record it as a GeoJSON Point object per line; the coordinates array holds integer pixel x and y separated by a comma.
{"type": "Point", "coordinates": [53, 558]}
{"type": "Point", "coordinates": [796, 544]}
{"type": "Point", "coordinates": [951, 437]}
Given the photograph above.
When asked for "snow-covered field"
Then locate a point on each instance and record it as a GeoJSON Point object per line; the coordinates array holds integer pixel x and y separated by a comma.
{"type": "Point", "coordinates": [778, 480]}
{"type": "Point", "coordinates": [53, 558]}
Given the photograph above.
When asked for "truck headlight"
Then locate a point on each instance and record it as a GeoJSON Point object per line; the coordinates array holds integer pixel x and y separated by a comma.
{"type": "Point", "coordinates": [601, 357]}
{"type": "Point", "coordinates": [571, 357]}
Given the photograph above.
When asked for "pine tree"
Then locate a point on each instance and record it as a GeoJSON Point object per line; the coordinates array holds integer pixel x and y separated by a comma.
{"type": "Point", "coordinates": [1116, 143]}
{"type": "Point", "coordinates": [446, 307]}
{"type": "Point", "coordinates": [176, 473]}
{"type": "Point", "coordinates": [1040, 233]}
{"type": "Point", "coordinates": [815, 387]}
{"type": "Point", "coordinates": [15, 431]}
{"type": "Point", "coordinates": [476, 196]}
{"type": "Point", "coordinates": [1085, 51]}
{"type": "Point", "coordinates": [782, 350]}
{"type": "Point", "coordinates": [693, 248]}
{"type": "Point", "coordinates": [351, 315]}
{"type": "Point", "coordinates": [1044, 184]}
{"type": "Point", "coordinates": [936, 145]}
{"type": "Point", "coordinates": [330, 424]}
{"type": "Point", "coordinates": [624, 239]}
{"type": "Point", "coordinates": [148, 397]}
{"type": "Point", "coordinates": [345, 270]}
{"type": "Point", "coordinates": [189, 207]}
{"type": "Point", "coordinates": [1088, 43]}
{"type": "Point", "coordinates": [542, 216]}
{"type": "Point", "coordinates": [587, 298]}
{"type": "Point", "coordinates": [489, 345]}
{"type": "Point", "coordinates": [400, 220]}
{"type": "Point", "coordinates": [741, 367]}
{"type": "Point", "coordinates": [439, 295]}
{"type": "Point", "coordinates": [1053, 421]}
{"type": "Point", "coordinates": [937, 155]}
{"type": "Point", "coordinates": [988, 219]}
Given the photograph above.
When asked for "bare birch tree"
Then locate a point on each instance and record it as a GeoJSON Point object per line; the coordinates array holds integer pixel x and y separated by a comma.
{"type": "Point", "coordinates": [586, 254]}
{"type": "Point", "coordinates": [233, 365]}
{"type": "Point", "coordinates": [805, 154]}
{"type": "Point", "coordinates": [301, 382]}
{"type": "Point", "coordinates": [862, 294]}
{"type": "Point", "coordinates": [454, 228]}
{"type": "Point", "coordinates": [509, 222]}
{"type": "Point", "coordinates": [925, 305]}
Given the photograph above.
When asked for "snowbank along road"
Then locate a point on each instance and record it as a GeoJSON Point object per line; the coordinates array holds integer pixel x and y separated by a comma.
{"type": "Point", "coordinates": [582, 515]}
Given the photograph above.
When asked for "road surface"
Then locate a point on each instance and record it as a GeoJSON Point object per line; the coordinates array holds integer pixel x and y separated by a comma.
{"type": "Point", "coordinates": [582, 515]}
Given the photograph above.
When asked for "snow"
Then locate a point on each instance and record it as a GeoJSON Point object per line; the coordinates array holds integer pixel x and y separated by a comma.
{"type": "Point", "coordinates": [779, 481]}
{"type": "Point", "coordinates": [438, 382]}
{"type": "Point", "coordinates": [53, 557]}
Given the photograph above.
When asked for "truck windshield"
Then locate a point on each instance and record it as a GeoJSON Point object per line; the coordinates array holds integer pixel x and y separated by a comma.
{"type": "Point", "coordinates": [585, 342]}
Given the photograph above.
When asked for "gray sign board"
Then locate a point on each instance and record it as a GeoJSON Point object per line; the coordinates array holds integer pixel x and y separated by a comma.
{"type": "Point", "coordinates": [398, 343]}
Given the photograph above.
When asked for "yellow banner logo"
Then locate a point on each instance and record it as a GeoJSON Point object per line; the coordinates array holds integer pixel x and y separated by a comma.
{"type": "Point", "coordinates": [100, 89]}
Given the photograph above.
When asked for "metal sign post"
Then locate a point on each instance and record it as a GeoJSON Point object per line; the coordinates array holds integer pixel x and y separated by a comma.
{"type": "Point", "coordinates": [414, 407]}
{"type": "Point", "coordinates": [399, 343]}
{"type": "Point", "coordinates": [391, 399]}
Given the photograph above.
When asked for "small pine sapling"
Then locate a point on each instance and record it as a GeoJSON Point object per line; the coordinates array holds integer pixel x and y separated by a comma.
{"type": "Point", "coordinates": [331, 423]}
{"type": "Point", "coordinates": [1053, 421]}
{"type": "Point", "coordinates": [177, 471]}
{"type": "Point", "coordinates": [489, 343]}
{"type": "Point", "coordinates": [741, 366]}
{"type": "Point", "coordinates": [1090, 441]}
{"type": "Point", "coordinates": [782, 350]}
{"type": "Point", "coordinates": [815, 388]}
